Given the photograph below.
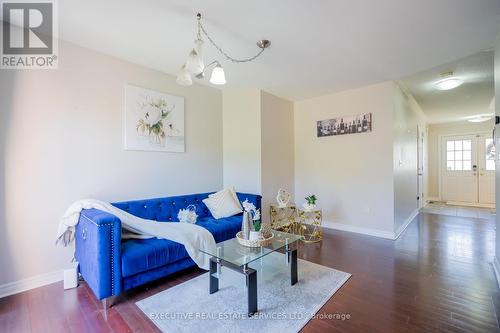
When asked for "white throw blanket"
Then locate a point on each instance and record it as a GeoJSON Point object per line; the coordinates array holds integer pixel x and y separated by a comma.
{"type": "Point", "coordinates": [192, 236]}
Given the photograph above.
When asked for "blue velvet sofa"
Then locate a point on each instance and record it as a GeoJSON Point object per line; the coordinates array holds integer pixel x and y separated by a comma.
{"type": "Point", "coordinates": [111, 266]}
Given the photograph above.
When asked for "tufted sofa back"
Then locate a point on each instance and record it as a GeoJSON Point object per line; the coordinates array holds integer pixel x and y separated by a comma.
{"type": "Point", "coordinates": [165, 209]}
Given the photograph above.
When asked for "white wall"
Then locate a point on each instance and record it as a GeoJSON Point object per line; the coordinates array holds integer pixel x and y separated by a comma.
{"type": "Point", "coordinates": [437, 130]}
{"type": "Point", "coordinates": [497, 145]}
{"type": "Point", "coordinates": [277, 148]}
{"type": "Point", "coordinates": [352, 175]}
{"type": "Point", "coordinates": [242, 139]}
{"type": "Point", "coordinates": [61, 140]}
{"type": "Point", "coordinates": [407, 117]}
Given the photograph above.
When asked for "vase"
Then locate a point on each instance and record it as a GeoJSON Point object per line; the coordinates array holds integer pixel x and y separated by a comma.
{"type": "Point", "coordinates": [254, 235]}
{"type": "Point", "coordinates": [309, 207]}
{"type": "Point", "coordinates": [246, 224]}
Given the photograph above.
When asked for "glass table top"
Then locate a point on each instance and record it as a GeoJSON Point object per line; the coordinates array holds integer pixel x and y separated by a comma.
{"type": "Point", "coordinates": [232, 251]}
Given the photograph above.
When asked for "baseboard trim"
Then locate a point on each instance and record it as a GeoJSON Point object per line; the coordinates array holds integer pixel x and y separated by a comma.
{"type": "Point", "coordinates": [470, 204]}
{"type": "Point", "coordinates": [16, 287]}
{"type": "Point", "coordinates": [359, 230]}
{"type": "Point", "coordinates": [496, 269]}
{"type": "Point", "coordinates": [403, 227]}
{"type": "Point", "coordinates": [429, 199]}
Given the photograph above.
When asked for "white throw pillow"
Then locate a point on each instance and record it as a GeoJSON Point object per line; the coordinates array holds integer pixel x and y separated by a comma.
{"type": "Point", "coordinates": [224, 203]}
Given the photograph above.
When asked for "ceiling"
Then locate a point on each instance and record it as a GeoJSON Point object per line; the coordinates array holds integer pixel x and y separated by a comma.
{"type": "Point", "coordinates": [470, 99]}
{"type": "Point", "coordinates": [317, 47]}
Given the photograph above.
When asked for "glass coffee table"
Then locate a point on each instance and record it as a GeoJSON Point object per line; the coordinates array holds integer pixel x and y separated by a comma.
{"type": "Point", "coordinates": [231, 254]}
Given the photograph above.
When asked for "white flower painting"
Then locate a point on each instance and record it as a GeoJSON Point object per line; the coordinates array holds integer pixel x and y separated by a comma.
{"type": "Point", "coordinates": [154, 121]}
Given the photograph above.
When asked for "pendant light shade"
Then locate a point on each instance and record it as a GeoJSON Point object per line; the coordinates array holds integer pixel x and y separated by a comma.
{"type": "Point", "coordinates": [183, 77]}
{"type": "Point", "coordinates": [218, 76]}
{"type": "Point", "coordinates": [194, 62]}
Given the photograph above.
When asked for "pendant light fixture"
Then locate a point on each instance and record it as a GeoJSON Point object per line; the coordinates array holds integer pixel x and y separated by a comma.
{"type": "Point", "coordinates": [195, 64]}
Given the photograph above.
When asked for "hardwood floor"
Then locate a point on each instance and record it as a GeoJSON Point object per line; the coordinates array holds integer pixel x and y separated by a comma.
{"type": "Point", "coordinates": [436, 277]}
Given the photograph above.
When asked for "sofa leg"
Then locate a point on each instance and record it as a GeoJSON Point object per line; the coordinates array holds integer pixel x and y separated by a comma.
{"type": "Point", "coordinates": [108, 302]}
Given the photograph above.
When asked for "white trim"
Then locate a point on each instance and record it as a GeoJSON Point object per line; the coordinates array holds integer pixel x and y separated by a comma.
{"type": "Point", "coordinates": [30, 283]}
{"type": "Point", "coordinates": [429, 199]}
{"type": "Point", "coordinates": [359, 230]}
{"type": "Point", "coordinates": [496, 269]}
{"type": "Point", "coordinates": [372, 232]}
{"type": "Point", "coordinates": [470, 204]}
{"type": "Point", "coordinates": [405, 225]}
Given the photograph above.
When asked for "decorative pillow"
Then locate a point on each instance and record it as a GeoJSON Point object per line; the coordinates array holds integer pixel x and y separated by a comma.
{"type": "Point", "coordinates": [224, 203]}
{"type": "Point", "coordinates": [233, 194]}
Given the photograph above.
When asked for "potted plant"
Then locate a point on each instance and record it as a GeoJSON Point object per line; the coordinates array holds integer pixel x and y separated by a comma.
{"type": "Point", "coordinates": [254, 214]}
{"type": "Point", "coordinates": [311, 203]}
{"type": "Point", "coordinates": [255, 233]}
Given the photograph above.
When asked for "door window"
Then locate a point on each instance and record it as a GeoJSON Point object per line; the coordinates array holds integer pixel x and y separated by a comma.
{"type": "Point", "coordinates": [490, 154]}
{"type": "Point", "coordinates": [459, 155]}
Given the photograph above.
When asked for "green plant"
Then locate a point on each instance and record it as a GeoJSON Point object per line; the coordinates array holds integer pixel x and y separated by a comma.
{"type": "Point", "coordinates": [256, 219]}
{"type": "Point", "coordinates": [256, 225]}
{"type": "Point", "coordinates": [311, 200]}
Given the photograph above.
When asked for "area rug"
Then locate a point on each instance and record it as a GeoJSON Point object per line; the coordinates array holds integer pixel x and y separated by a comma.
{"type": "Point", "coordinates": [188, 307]}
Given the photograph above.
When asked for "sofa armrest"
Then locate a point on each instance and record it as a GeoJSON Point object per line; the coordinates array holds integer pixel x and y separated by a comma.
{"type": "Point", "coordinates": [256, 199]}
{"type": "Point", "coordinates": [98, 251]}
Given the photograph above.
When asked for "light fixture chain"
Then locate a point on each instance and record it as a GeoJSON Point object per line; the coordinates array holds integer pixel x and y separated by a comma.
{"type": "Point", "coordinates": [228, 57]}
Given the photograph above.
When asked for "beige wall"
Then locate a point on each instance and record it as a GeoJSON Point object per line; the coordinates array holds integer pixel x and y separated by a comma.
{"type": "Point", "coordinates": [352, 175]}
{"type": "Point", "coordinates": [61, 140]}
{"type": "Point", "coordinates": [277, 148]}
{"type": "Point", "coordinates": [258, 143]}
{"type": "Point", "coordinates": [437, 130]}
{"type": "Point", "coordinates": [242, 139]}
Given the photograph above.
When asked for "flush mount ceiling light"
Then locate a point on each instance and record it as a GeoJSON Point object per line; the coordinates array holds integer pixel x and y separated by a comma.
{"type": "Point", "coordinates": [195, 65]}
{"type": "Point", "coordinates": [448, 81]}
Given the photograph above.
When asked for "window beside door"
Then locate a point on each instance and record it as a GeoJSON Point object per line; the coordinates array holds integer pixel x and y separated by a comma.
{"type": "Point", "coordinates": [490, 154]}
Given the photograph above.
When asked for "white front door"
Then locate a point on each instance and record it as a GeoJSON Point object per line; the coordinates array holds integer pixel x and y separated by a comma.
{"type": "Point", "coordinates": [486, 166]}
{"type": "Point", "coordinates": [468, 169]}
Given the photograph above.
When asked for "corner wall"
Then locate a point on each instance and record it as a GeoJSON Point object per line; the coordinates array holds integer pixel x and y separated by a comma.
{"type": "Point", "coordinates": [277, 149]}
{"type": "Point", "coordinates": [407, 118]}
{"type": "Point", "coordinates": [258, 143]}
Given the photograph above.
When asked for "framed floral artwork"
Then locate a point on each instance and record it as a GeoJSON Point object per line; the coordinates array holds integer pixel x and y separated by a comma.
{"type": "Point", "coordinates": [154, 121]}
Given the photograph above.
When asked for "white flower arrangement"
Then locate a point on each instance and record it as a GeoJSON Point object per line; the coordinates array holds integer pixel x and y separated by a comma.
{"type": "Point", "coordinates": [250, 207]}
{"type": "Point", "coordinates": [188, 215]}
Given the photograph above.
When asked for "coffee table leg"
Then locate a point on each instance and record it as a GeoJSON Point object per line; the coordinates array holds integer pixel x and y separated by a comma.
{"type": "Point", "coordinates": [251, 276]}
{"type": "Point", "coordinates": [293, 266]}
{"type": "Point", "coordinates": [214, 282]}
